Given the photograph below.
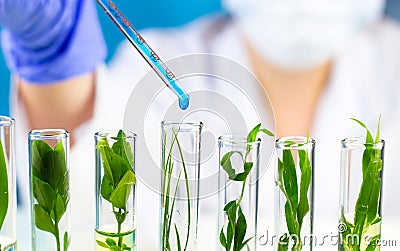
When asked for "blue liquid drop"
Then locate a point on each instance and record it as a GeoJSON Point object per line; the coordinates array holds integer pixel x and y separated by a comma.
{"type": "Point", "coordinates": [184, 103]}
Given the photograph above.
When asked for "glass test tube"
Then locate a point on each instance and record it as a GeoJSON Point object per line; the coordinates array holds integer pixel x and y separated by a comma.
{"type": "Point", "coordinates": [115, 190]}
{"type": "Point", "coordinates": [8, 192]}
{"type": "Point", "coordinates": [180, 173]}
{"type": "Point", "coordinates": [49, 189]}
{"type": "Point", "coordinates": [294, 193]}
{"type": "Point", "coordinates": [360, 214]}
{"type": "Point", "coordinates": [236, 153]}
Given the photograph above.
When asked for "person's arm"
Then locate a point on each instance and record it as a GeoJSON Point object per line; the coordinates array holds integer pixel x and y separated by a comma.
{"type": "Point", "coordinates": [63, 104]}
{"type": "Point", "coordinates": [53, 48]}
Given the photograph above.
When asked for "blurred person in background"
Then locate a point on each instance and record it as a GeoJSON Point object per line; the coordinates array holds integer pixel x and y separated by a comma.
{"type": "Point", "coordinates": [321, 62]}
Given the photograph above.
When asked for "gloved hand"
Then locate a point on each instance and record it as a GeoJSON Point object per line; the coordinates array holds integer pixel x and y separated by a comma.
{"type": "Point", "coordinates": [51, 40]}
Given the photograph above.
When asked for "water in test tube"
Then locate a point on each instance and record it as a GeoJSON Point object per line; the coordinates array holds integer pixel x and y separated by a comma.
{"type": "Point", "coordinates": [144, 49]}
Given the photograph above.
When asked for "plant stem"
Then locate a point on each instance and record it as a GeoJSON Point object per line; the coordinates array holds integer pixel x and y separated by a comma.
{"type": "Point", "coordinates": [57, 235]}
{"type": "Point", "coordinates": [242, 193]}
{"type": "Point", "coordinates": [120, 238]}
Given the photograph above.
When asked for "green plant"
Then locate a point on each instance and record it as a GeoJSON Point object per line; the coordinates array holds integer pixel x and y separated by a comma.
{"type": "Point", "coordinates": [117, 182]}
{"type": "Point", "coordinates": [3, 187]}
{"type": "Point", "coordinates": [233, 238]}
{"type": "Point", "coordinates": [366, 208]}
{"type": "Point", "coordinates": [50, 189]}
{"type": "Point", "coordinates": [296, 205]}
{"type": "Point", "coordinates": [169, 195]}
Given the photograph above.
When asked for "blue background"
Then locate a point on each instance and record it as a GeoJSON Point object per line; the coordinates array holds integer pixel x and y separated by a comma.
{"type": "Point", "coordinates": [144, 14]}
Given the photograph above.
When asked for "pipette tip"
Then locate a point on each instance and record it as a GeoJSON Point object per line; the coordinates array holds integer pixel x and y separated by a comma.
{"type": "Point", "coordinates": [184, 102]}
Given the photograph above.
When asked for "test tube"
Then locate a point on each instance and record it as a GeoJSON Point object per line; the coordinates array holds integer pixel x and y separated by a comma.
{"type": "Point", "coordinates": [49, 187]}
{"type": "Point", "coordinates": [180, 180]}
{"type": "Point", "coordinates": [115, 190]}
{"type": "Point", "coordinates": [8, 191]}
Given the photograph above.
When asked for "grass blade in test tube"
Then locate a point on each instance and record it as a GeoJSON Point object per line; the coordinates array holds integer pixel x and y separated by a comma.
{"type": "Point", "coordinates": [144, 49]}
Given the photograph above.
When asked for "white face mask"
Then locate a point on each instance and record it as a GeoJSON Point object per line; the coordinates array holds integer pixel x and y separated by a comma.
{"type": "Point", "coordinates": [300, 34]}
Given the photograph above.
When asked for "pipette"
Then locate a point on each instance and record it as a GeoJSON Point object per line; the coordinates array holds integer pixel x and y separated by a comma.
{"type": "Point", "coordinates": [144, 49]}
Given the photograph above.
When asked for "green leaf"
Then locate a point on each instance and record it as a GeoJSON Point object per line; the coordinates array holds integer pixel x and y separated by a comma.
{"type": "Point", "coordinates": [43, 220]}
{"type": "Point", "coordinates": [288, 185]}
{"type": "Point", "coordinates": [245, 243]}
{"type": "Point", "coordinates": [67, 241]}
{"type": "Point", "coordinates": [106, 156]}
{"type": "Point", "coordinates": [290, 212]}
{"type": "Point", "coordinates": [61, 167]}
{"type": "Point", "coordinates": [102, 244]}
{"type": "Point", "coordinates": [3, 186]}
{"type": "Point", "coordinates": [373, 243]}
{"type": "Point", "coordinates": [44, 194]}
{"type": "Point", "coordinates": [279, 182]}
{"type": "Point", "coordinates": [222, 239]}
{"type": "Point", "coordinates": [230, 210]}
{"type": "Point", "coordinates": [369, 139]}
{"type": "Point", "coordinates": [230, 234]}
{"type": "Point", "coordinates": [60, 208]}
{"type": "Point", "coordinates": [290, 143]}
{"type": "Point", "coordinates": [368, 198]}
{"type": "Point", "coordinates": [373, 203]}
{"type": "Point", "coordinates": [366, 158]}
{"type": "Point", "coordinates": [305, 181]}
{"type": "Point", "coordinates": [378, 131]}
{"type": "Point", "coordinates": [122, 148]}
{"type": "Point", "coordinates": [178, 240]}
{"type": "Point", "coordinates": [106, 188]}
{"type": "Point", "coordinates": [49, 165]}
{"type": "Point", "coordinates": [267, 132]}
{"type": "Point", "coordinates": [40, 150]}
{"type": "Point", "coordinates": [51, 186]}
{"type": "Point", "coordinates": [116, 164]}
{"type": "Point", "coordinates": [290, 179]}
{"type": "Point", "coordinates": [115, 248]}
{"type": "Point", "coordinates": [111, 242]}
{"type": "Point", "coordinates": [126, 247]}
{"type": "Point", "coordinates": [347, 229]}
{"type": "Point", "coordinates": [377, 220]}
{"type": "Point", "coordinates": [243, 176]}
{"type": "Point", "coordinates": [240, 230]}
{"type": "Point", "coordinates": [119, 168]}
{"type": "Point", "coordinates": [291, 220]}
{"type": "Point", "coordinates": [120, 195]}
{"type": "Point", "coordinates": [227, 164]}
{"type": "Point", "coordinates": [252, 136]}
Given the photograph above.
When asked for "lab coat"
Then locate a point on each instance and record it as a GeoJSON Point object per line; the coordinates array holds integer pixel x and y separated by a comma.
{"type": "Point", "coordinates": [364, 82]}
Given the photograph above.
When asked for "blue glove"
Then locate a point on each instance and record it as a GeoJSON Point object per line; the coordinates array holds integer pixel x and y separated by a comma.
{"type": "Point", "coordinates": [51, 40]}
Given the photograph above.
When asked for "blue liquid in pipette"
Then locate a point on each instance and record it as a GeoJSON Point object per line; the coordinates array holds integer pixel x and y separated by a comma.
{"type": "Point", "coordinates": [183, 103]}
{"type": "Point", "coordinates": [147, 53]}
